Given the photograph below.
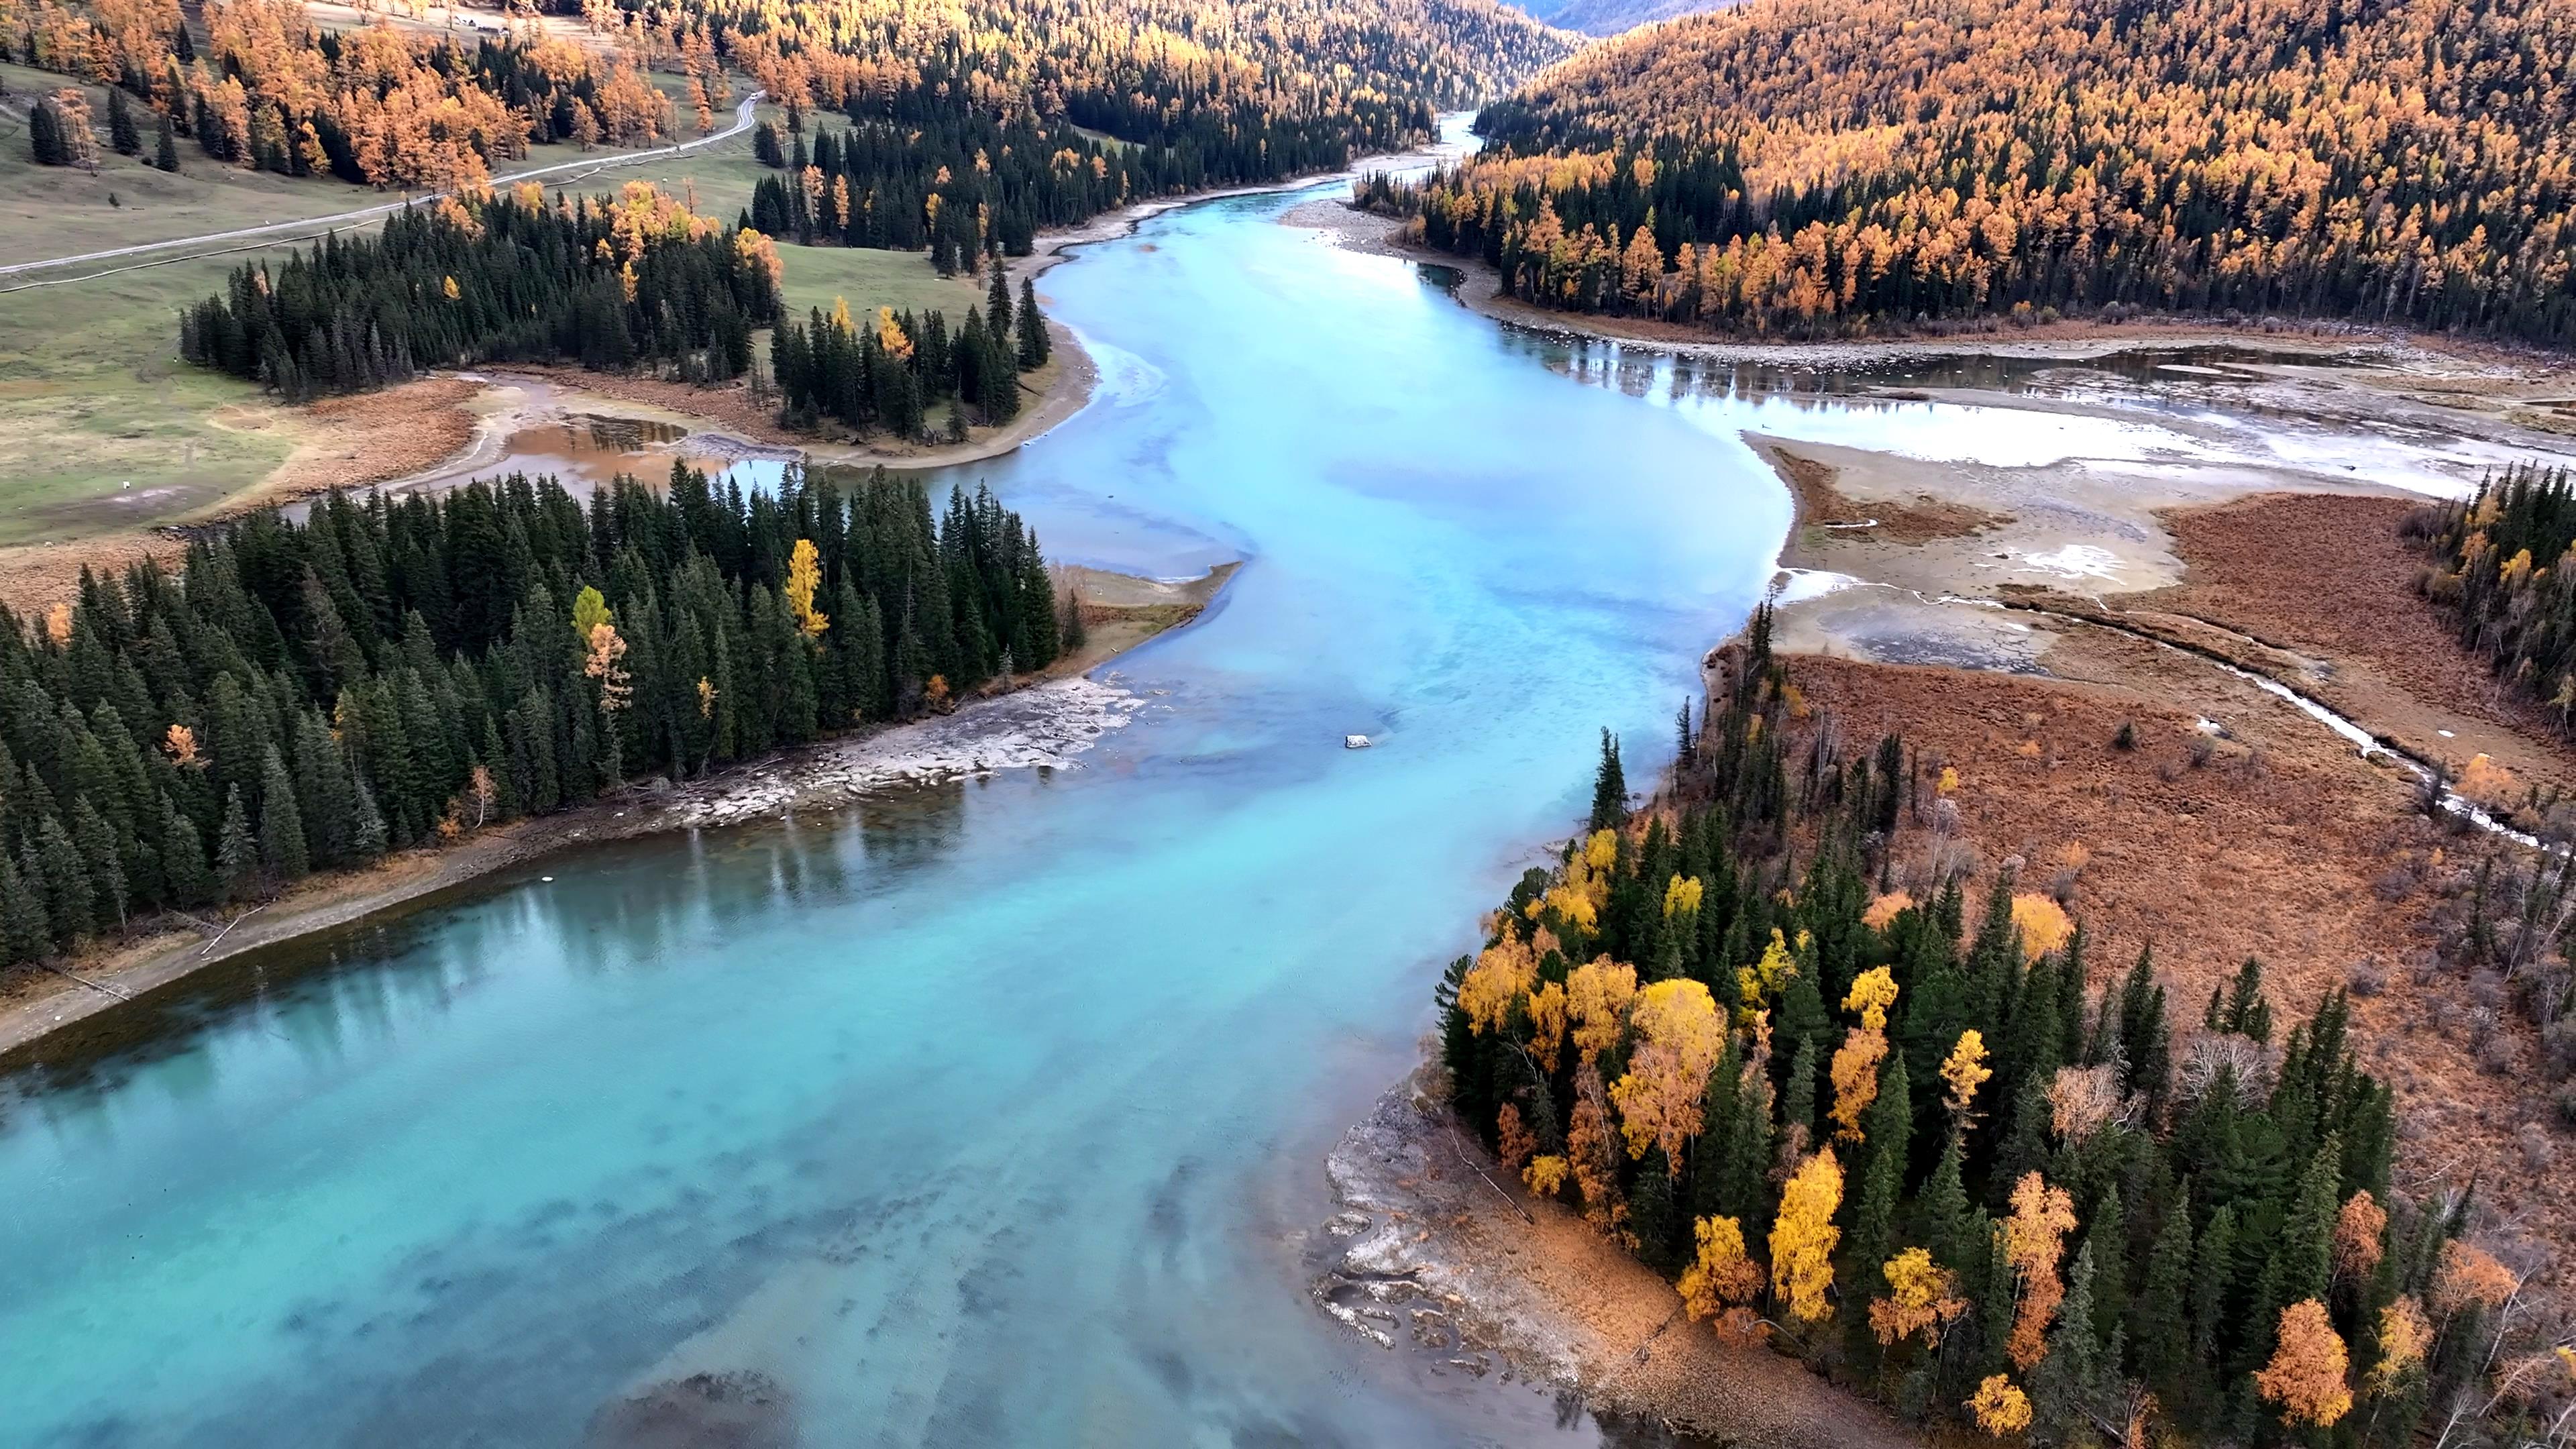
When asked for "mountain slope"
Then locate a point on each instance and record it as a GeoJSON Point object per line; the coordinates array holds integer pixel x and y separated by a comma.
{"type": "Point", "coordinates": [1838, 166]}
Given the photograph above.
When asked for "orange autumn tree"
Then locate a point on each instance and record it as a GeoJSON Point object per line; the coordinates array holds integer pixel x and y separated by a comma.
{"type": "Point", "coordinates": [2034, 1238]}
{"type": "Point", "coordinates": [2306, 1374]}
{"type": "Point", "coordinates": [1722, 1280]}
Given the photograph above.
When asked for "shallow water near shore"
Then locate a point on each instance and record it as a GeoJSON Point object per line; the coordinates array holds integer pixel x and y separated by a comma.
{"type": "Point", "coordinates": [992, 1114]}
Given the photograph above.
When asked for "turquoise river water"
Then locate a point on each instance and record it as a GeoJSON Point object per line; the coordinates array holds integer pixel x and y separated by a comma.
{"type": "Point", "coordinates": [983, 1115]}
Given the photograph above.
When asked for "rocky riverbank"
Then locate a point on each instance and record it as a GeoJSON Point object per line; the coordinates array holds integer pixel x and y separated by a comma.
{"type": "Point", "coordinates": [1437, 1253]}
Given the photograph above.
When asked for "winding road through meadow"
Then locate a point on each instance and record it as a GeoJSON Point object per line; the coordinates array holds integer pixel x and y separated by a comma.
{"type": "Point", "coordinates": [315, 225]}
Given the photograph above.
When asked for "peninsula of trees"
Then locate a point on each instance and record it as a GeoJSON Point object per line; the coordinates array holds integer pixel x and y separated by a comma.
{"type": "Point", "coordinates": [1824, 167]}
{"type": "Point", "coordinates": [1895, 1130]}
{"type": "Point", "coordinates": [388, 673]}
{"type": "Point", "coordinates": [607, 283]}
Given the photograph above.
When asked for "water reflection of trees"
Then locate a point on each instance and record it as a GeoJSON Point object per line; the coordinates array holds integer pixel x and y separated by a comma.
{"type": "Point", "coordinates": [336, 996]}
{"type": "Point", "coordinates": [2138, 375]}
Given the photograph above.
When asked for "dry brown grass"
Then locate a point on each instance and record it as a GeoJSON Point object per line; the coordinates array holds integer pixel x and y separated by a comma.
{"type": "Point", "coordinates": [2328, 576]}
{"type": "Point", "coordinates": [2279, 846]}
{"type": "Point", "coordinates": [1821, 502]}
{"type": "Point", "coordinates": [372, 438]}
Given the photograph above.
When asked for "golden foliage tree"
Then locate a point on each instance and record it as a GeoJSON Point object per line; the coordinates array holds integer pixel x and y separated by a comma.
{"type": "Point", "coordinates": [1678, 1037]}
{"type": "Point", "coordinates": [1503, 971]}
{"type": "Point", "coordinates": [1921, 1298]}
{"type": "Point", "coordinates": [1723, 1280]}
{"type": "Point", "coordinates": [1596, 998]}
{"type": "Point", "coordinates": [1965, 1070]}
{"type": "Point", "coordinates": [1804, 1237]}
{"type": "Point", "coordinates": [2404, 1337]}
{"type": "Point", "coordinates": [1999, 1408]}
{"type": "Point", "coordinates": [2306, 1374]}
{"type": "Point", "coordinates": [804, 576]}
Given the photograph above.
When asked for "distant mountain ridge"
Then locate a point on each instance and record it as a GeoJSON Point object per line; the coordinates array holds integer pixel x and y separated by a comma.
{"type": "Point", "coordinates": [1610, 17]}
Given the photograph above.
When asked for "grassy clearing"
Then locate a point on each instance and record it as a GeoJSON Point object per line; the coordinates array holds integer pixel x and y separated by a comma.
{"type": "Point", "coordinates": [103, 426]}
{"type": "Point", "coordinates": [105, 429]}
{"type": "Point", "coordinates": [50, 211]}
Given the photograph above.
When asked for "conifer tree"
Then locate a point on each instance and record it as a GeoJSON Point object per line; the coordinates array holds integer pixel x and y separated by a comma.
{"type": "Point", "coordinates": [121, 130]}
{"type": "Point", "coordinates": [1034, 344]}
{"type": "Point", "coordinates": [236, 851]}
{"type": "Point", "coordinates": [165, 147]}
{"type": "Point", "coordinates": [1609, 786]}
{"type": "Point", "coordinates": [183, 859]}
{"type": "Point", "coordinates": [45, 134]}
{"type": "Point", "coordinates": [2164, 1303]}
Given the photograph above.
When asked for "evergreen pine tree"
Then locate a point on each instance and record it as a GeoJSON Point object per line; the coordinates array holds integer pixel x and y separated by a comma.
{"type": "Point", "coordinates": [236, 851]}
{"type": "Point", "coordinates": [1034, 344]}
{"type": "Point", "coordinates": [24, 932]}
{"type": "Point", "coordinates": [2212, 1281]}
{"type": "Point", "coordinates": [45, 134]}
{"type": "Point", "coordinates": [1609, 786]}
{"type": "Point", "coordinates": [165, 147]}
{"type": "Point", "coordinates": [997, 299]}
{"type": "Point", "coordinates": [283, 851]}
{"type": "Point", "coordinates": [2164, 1304]}
{"type": "Point", "coordinates": [1798, 1102]}
{"type": "Point", "coordinates": [2063, 1384]}
{"type": "Point", "coordinates": [101, 862]}
{"type": "Point", "coordinates": [122, 133]}
{"type": "Point", "coordinates": [68, 893]}
{"type": "Point", "coordinates": [183, 859]}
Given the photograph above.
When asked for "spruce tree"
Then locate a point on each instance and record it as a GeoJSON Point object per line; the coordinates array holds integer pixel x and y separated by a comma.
{"type": "Point", "coordinates": [183, 859]}
{"type": "Point", "coordinates": [68, 894]}
{"type": "Point", "coordinates": [122, 133]}
{"type": "Point", "coordinates": [1798, 1102]}
{"type": "Point", "coordinates": [1609, 786]}
{"type": "Point", "coordinates": [45, 134]}
{"type": "Point", "coordinates": [24, 931]}
{"type": "Point", "coordinates": [997, 298]}
{"type": "Point", "coordinates": [2213, 1279]}
{"type": "Point", "coordinates": [2062, 1387]}
{"type": "Point", "coordinates": [236, 851]}
{"type": "Point", "coordinates": [100, 862]}
{"type": "Point", "coordinates": [283, 851]}
{"type": "Point", "coordinates": [2164, 1304]}
{"type": "Point", "coordinates": [1034, 344]}
{"type": "Point", "coordinates": [165, 146]}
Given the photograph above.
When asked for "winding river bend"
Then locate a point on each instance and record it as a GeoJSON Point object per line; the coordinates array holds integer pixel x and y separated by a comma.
{"type": "Point", "coordinates": [984, 1115]}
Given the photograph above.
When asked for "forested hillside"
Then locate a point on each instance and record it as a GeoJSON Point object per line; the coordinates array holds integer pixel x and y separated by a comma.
{"type": "Point", "coordinates": [375, 105]}
{"type": "Point", "coordinates": [1208, 91]}
{"type": "Point", "coordinates": [392, 673]}
{"type": "Point", "coordinates": [608, 283]}
{"type": "Point", "coordinates": [1814, 167]}
{"type": "Point", "coordinates": [1770, 1036]}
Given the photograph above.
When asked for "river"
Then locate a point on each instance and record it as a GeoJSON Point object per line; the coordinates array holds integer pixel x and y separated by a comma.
{"type": "Point", "coordinates": [984, 1115]}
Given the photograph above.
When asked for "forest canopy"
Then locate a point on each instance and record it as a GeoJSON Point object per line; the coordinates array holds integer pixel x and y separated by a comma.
{"type": "Point", "coordinates": [1818, 167]}
{"type": "Point", "coordinates": [389, 672]}
{"type": "Point", "coordinates": [608, 283]}
{"type": "Point", "coordinates": [1769, 1034]}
